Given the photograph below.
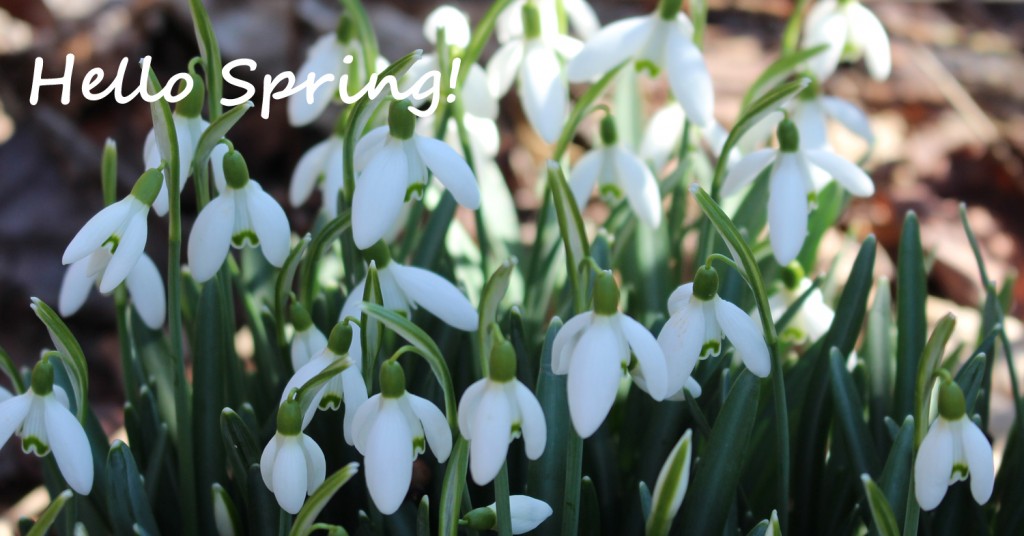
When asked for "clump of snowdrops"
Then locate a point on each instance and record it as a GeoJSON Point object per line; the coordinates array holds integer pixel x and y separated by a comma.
{"type": "Point", "coordinates": [413, 372]}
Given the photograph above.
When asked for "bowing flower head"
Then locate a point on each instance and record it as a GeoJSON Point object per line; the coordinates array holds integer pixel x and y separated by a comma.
{"type": "Point", "coordinates": [526, 512]}
{"type": "Point", "coordinates": [307, 341]}
{"type": "Point", "coordinates": [814, 317]}
{"type": "Point", "coordinates": [849, 31]}
{"type": "Point", "coordinates": [292, 464]}
{"type": "Point", "coordinates": [579, 14]}
{"type": "Point", "coordinates": [322, 165]}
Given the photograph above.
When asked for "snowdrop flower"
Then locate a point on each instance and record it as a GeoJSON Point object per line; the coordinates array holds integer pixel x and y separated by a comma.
{"type": "Point", "coordinates": [663, 136]}
{"type": "Point", "coordinates": [292, 464]}
{"type": "Point", "coordinates": [348, 385]}
{"type": "Point", "coordinates": [392, 162]}
{"type": "Point", "coordinates": [404, 288]}
{"type": "Point", "coordinates": [494, 411]}
{"type": "Point", "coordinates": [850, 31]}
{"type": "Point", "coordinates": [532, 61]}
{"type": "Point", "coordinates": [144, 284]}
{"type": "Point", "coordinates": [119, 230]}
{"type": "Point", "coordinates": [814, 317]}
{"type": "Point", "coordinates": [322, 165]}
{"type": "Point", "coordinates": [811, 112]}
{"type": "Point", "coordinates": [661, 40]}
{"type": "Point", "coordinates": [698, 318]}
{"type": "Point", "coordinates": [527, 514]}
{"type": "Point", "coordinates": [326, 56]}
{"type": "Point", "coordinates": [953, 449]}
{"type": "Point", "coordinates": [580, 15]}
{"type": "Point", "coordinates": [391, 429]}
{"type": "Point", "coordinates": [791, 186]}
{"type": "Point", "coordinates": [40, 417]}
{"type": "Point", "coordinates": [474, 93]}
{"type": "Point", "coordinates": [618, 173]}
{"type": "Point", "coordinates": [242, 215]}
{"type": "Point", "coordinates": [595, 348]}
{"type": "Point", "coordinates": [307, 340]}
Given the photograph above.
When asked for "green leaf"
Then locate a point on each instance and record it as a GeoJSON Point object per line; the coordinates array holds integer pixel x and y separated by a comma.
{"type": "Point", "coordinates": [283, 287]}
{"type": "Point", "coordinates": [240, 444]}
{"type": "Point", "coordinates": [208, 376]}
{"type": "Point", "coordinates": [645, 499]}
{"type": "Point", "coordinates": [724, 458]}
{"type": "Point", "coordinates": [319, 499]}
{"type": "Point", "coordinates": [225, 512]}
{"type": "Point", "coordinates": [911, 282]}
{"type": "Point", "coordinates": [127, 503]}
{"type": "Point", "coordinates": [590, 508]}
{"type": "Point", "coordinates": [545, 478]}
{"type": "Point", "coordinates": [427, 349]}
{"type": "Point", "coordinates": [317, 247]}
{"type": "Point", "coordinates": [671, 487]}
{"type": "Point", "coordinates": [210, 52]}
{"type": "Point", "coordinates": [570, 224]}
{"type": "Point", "coordinates": [896, 475]}
{"type": "Point", "coordinates": [217, 130]}
{"type": "Point", "coordinates": [367, 37]}
{"type": "Point", "coordinates": [423, 517]}
{"type": "Point", "coordinates": [108, 172]}
{"type": "Point", "coordinates": [494, 292]}
{"type": "Point", "coordinates": [452, 487]}
{"type": "Point", "coordinates": [372, 336]}
{"type": "Point", "coordinates": [778, 71]}
{"type": "Point", "coordinates": [934, 349]}
{"type": "Point", "coordinates": [970, 379]}
{"type": "Point", "coordinates": [42, 525]}
{"type": "Point", "coordinates": [849, 409]}
{"type": "Point", "coordinates": [885, 522]}
{"type": "Point", "coordinates": [481, 34]}
{"type": "Point", "coordinates": [9, 370]}
{"type": "Point", "coordinates": [580, 110]}
{"type": "Point", "coordinates": [878, 356]}
{"type": "Point", "coordinates": [70, 353]}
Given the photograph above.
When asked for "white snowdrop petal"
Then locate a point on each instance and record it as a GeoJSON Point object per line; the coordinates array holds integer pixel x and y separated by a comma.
{"type": "Point", "coordinates": [363, 422]}
{"type": "Point", "coordinates": [146, 288]}
{"type": "Point", "coordinates": [532, 422]}
{"type": "Point", "coordinates": [845, 173]}
{"type": "Point", "coordinates": [584, 175]}
{"type": "Point", "coordinates": [543, 92]}
{"type": "Point", "coordinates": [334, 178]}
{"type": "Point", "coordinates": [978, 452]}
{"type": "Point", "coordinates": [641, 187]}
{"type": "Point", "coordinates": [662, 135]}
{"type": "Point", "coordinates": [476, 94]}
{"type": "Point", "coordinates": [353, 302]}
{"type": "Point", "coordinates": [692, 387]}
{"type": "Point", "coordinates": [869, 34]}
{"type": "Point", "coordinates": [267, 461]}
{"type": "Point", "coordinates": [933, 465]}
{"type": "Point", "coordinates": [454, 22]}
{"type": "Point", "coordinates": [611, 46]}
{"type": "Point", "coordinates": [70, 446]}
{"type": "Point", "coordinates": [809, 118]}
{"type": "Point", "coordinates": [450, 169]}
{"type": "Point", "coordinates": [746, 170]}
{"type": "Point", "coordinates": [849, 115]}
{"type": "Point", "coordinates": [831, 31]}
{"type": "Point", "coordinates": [270, 224]}
{"type": "Point", "coordinates": [217, 165]}
{"type": "Point", "coordinates": [745, 335]}
{"type": "Point", "coordinates": [503, 66]}
{"type": "Point", "coordinates": [680, 298]}
{"type": "Point", "coordinates": [355, 395]}
{"type": "Point", "coordinates": [527, 513]}
{"type": "Point", "coordinates": [379, 195]}
{"type": "Point", "coordinates": [12, 413]}
{"type": "Point", "coordinates": [368, 146]}
{"type": "Point", "coordinates": [566, 46]}
{"type": "Point", "coordinates": [74, 288]}
{"type": "Point", "coordinates": [435, 426]}
{"type": "Point", "coordinates": [594, 373]}
{"type": "Point", "coordinates": [210, 239]}
{"type": "Point", "coordinates": [389, 458]}
{"type": "Point", "coordinates": [689, 78]}
{"type": "Point", "coordinates": [307, 173]}
{"type": "Point", "coordinates": [582, 17]}
{"type": "Point", "coordinates": [126, 256]}
{"type": "Point", "coordinates": [681, 339]}
{"type": "Point", "coordinates": [316, 464]}
{"type": "Point", "coordinates": [290, 475]}
{"type": "Point", "coordinates": [97, 230]}
{"type": "Point", "coordinates": [565, 341]}
{"type": "Point", "coordinates": [787, 208]}
{"type": "Point", "coordinates": [324, 57]}
{"type": "Point", "coordinates": [650, 359]}
{"type": "Point", "coordinates": [468, 404]}
{"type": "Point", "coordinates": [492, 428]}
{"type": "Point", "coordinates": [435, 294]}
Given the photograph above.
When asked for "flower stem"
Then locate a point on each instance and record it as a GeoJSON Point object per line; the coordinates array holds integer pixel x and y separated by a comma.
{"type": "Point", "coordinates": [501, 501]}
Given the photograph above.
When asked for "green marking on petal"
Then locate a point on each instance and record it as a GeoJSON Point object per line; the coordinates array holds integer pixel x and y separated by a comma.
{"type": "Point", "coordinates": [647, 65]}
{"type": "Point", "coordinates": [960, 472]}
{"type": "Point", "coordinates": [611, 192]}
{"type": "Point", "coordinates": [710, 348]}
{"type": "Point", "coordinates": [330, 401]}
{"type": "Point", "coordinates": [414, 191]}
{"type": "Point", "coordinates": [113, 242]}
{"type": "Point", "coordinates": [419, 445]}
{"type": "Point", "coordinates": [34, 445]}
{"type": "Point", "coordinates": [245, 237]}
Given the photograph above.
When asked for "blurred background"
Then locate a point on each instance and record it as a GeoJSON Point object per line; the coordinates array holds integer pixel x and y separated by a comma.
{"type": "Point", "coordinates": [949, 124]}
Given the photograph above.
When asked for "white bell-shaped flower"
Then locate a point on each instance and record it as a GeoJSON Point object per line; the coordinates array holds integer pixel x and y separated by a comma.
{"type": "Point", "coordinates": [307, 341]}
{"type": "Point", "coordinates": [494, 411]}
{"type": "Point", "coordinates": [595, 348]}
{"type": "Point", "coordinates": [698, 318]}
{"type": "Point", "coordinates": [347, 386]}
{"type": "Point", "coordinates": [791, 186]}
{"type": "Point", "coordinates": [811, 113]}
{"type": "Point", "coordinates": [850, 31]}
{"type": "Point", "coordinates": [953, 449]}
{"type": "Point", "coordinates": [242, 215]}
{"type": "Point", "coordinates": [663, 136]}
{"type": "Point", "coordinates": [40, 417]}
{"type": "Point", "coordinates": [660, 40]}
{"type": "Point", "coordinates": [393, 163]}
{"type": "Point", "coordinates": [526, 512]}
{"type": "Point", "coordinates": [292, 464]}
{"type": "Point", "coordinates": [405, 288]}
{"type": "Point", "coordinates": [322, 165]}
{"type": "Point", "coordinates": [326, 57]}
{"type": "Point", "coordinates": [532, 61]}
{"type": "Point", "coordinates": [120, 230]}
{"type": "Point", "coordinates": [618, 173]}
{"type": "Point", "coordinates": [812, 320]}
{"type": "Point", "coordinates": [143, 282]}
{"type": "Point", "coordinates": [391, 429]}
{"type": "Point", "coordinates": [579, 14]}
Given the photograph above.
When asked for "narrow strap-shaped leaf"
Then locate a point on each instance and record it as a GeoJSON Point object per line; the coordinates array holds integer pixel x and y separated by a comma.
{"type": "Point", "coordinates": [70, 352]}
{"type": "Point", "coordinates": [848, 409]}
{"type": "Point", "coordinates": [427, 349]}
{"type": "Point", "coordinates": [127, 503]}
{"type": "Point", "coordinates": [930, 358]}
{"type": "Point", "coordinates": [570, 224]}
{"type": "Point", "coordinates": [319, 499]}
{"type": "Point", "coordinates": [263, 515]}
{"type": "Point", "coordinates": [580, 110]}
{"type": "Point", "coordinates": [225, 512]}
{"type": "Point", "coordinates": [423, 517]}
{"type": "Point", "coordinates": [910, 315]}
{"type": "Point", "coordinates": [240, 444]}
{"type": "Point", "coordinates": [645, 499]}
{"type": "Point", "coordinates": [481, 34]}
{"type": "Point", "coordinates": [779, 70]}
{"type": "Point", "coordinates": [371, 334]}
{"type": "Point", "coordinates": [590, 508]}
{"type": "Point", "coordinates": [317, 247]}
{"type": "Point", "coordinates": [881, 512]}
{"type": "Point", "coordinates": [42, 525]}
{"type": "Point", "coordinates": [896, 475]}
{"type": "Point", "coordinates": [283, 286]}
{"type": "Point", "coordinates": [494, 292]}
{"type": "Point", "coordinates": [449, 504]}
{"type": "Point", "coordinates": [209, 49]}
{"type": "Point", "coordinates": [9, 370]}
{"type": "Point", "coordinates": [208, 377]}
{"type": "Point", "coordinates": [545, 475]}
{"type": "Point", "coordinates": [970, 379]}
{"type": "Point", "coordinates": [671, 487]}
{"type": "Point", "coordinates": [217, 130]}
{"type": "Point", "coordinates": [879, 358]}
